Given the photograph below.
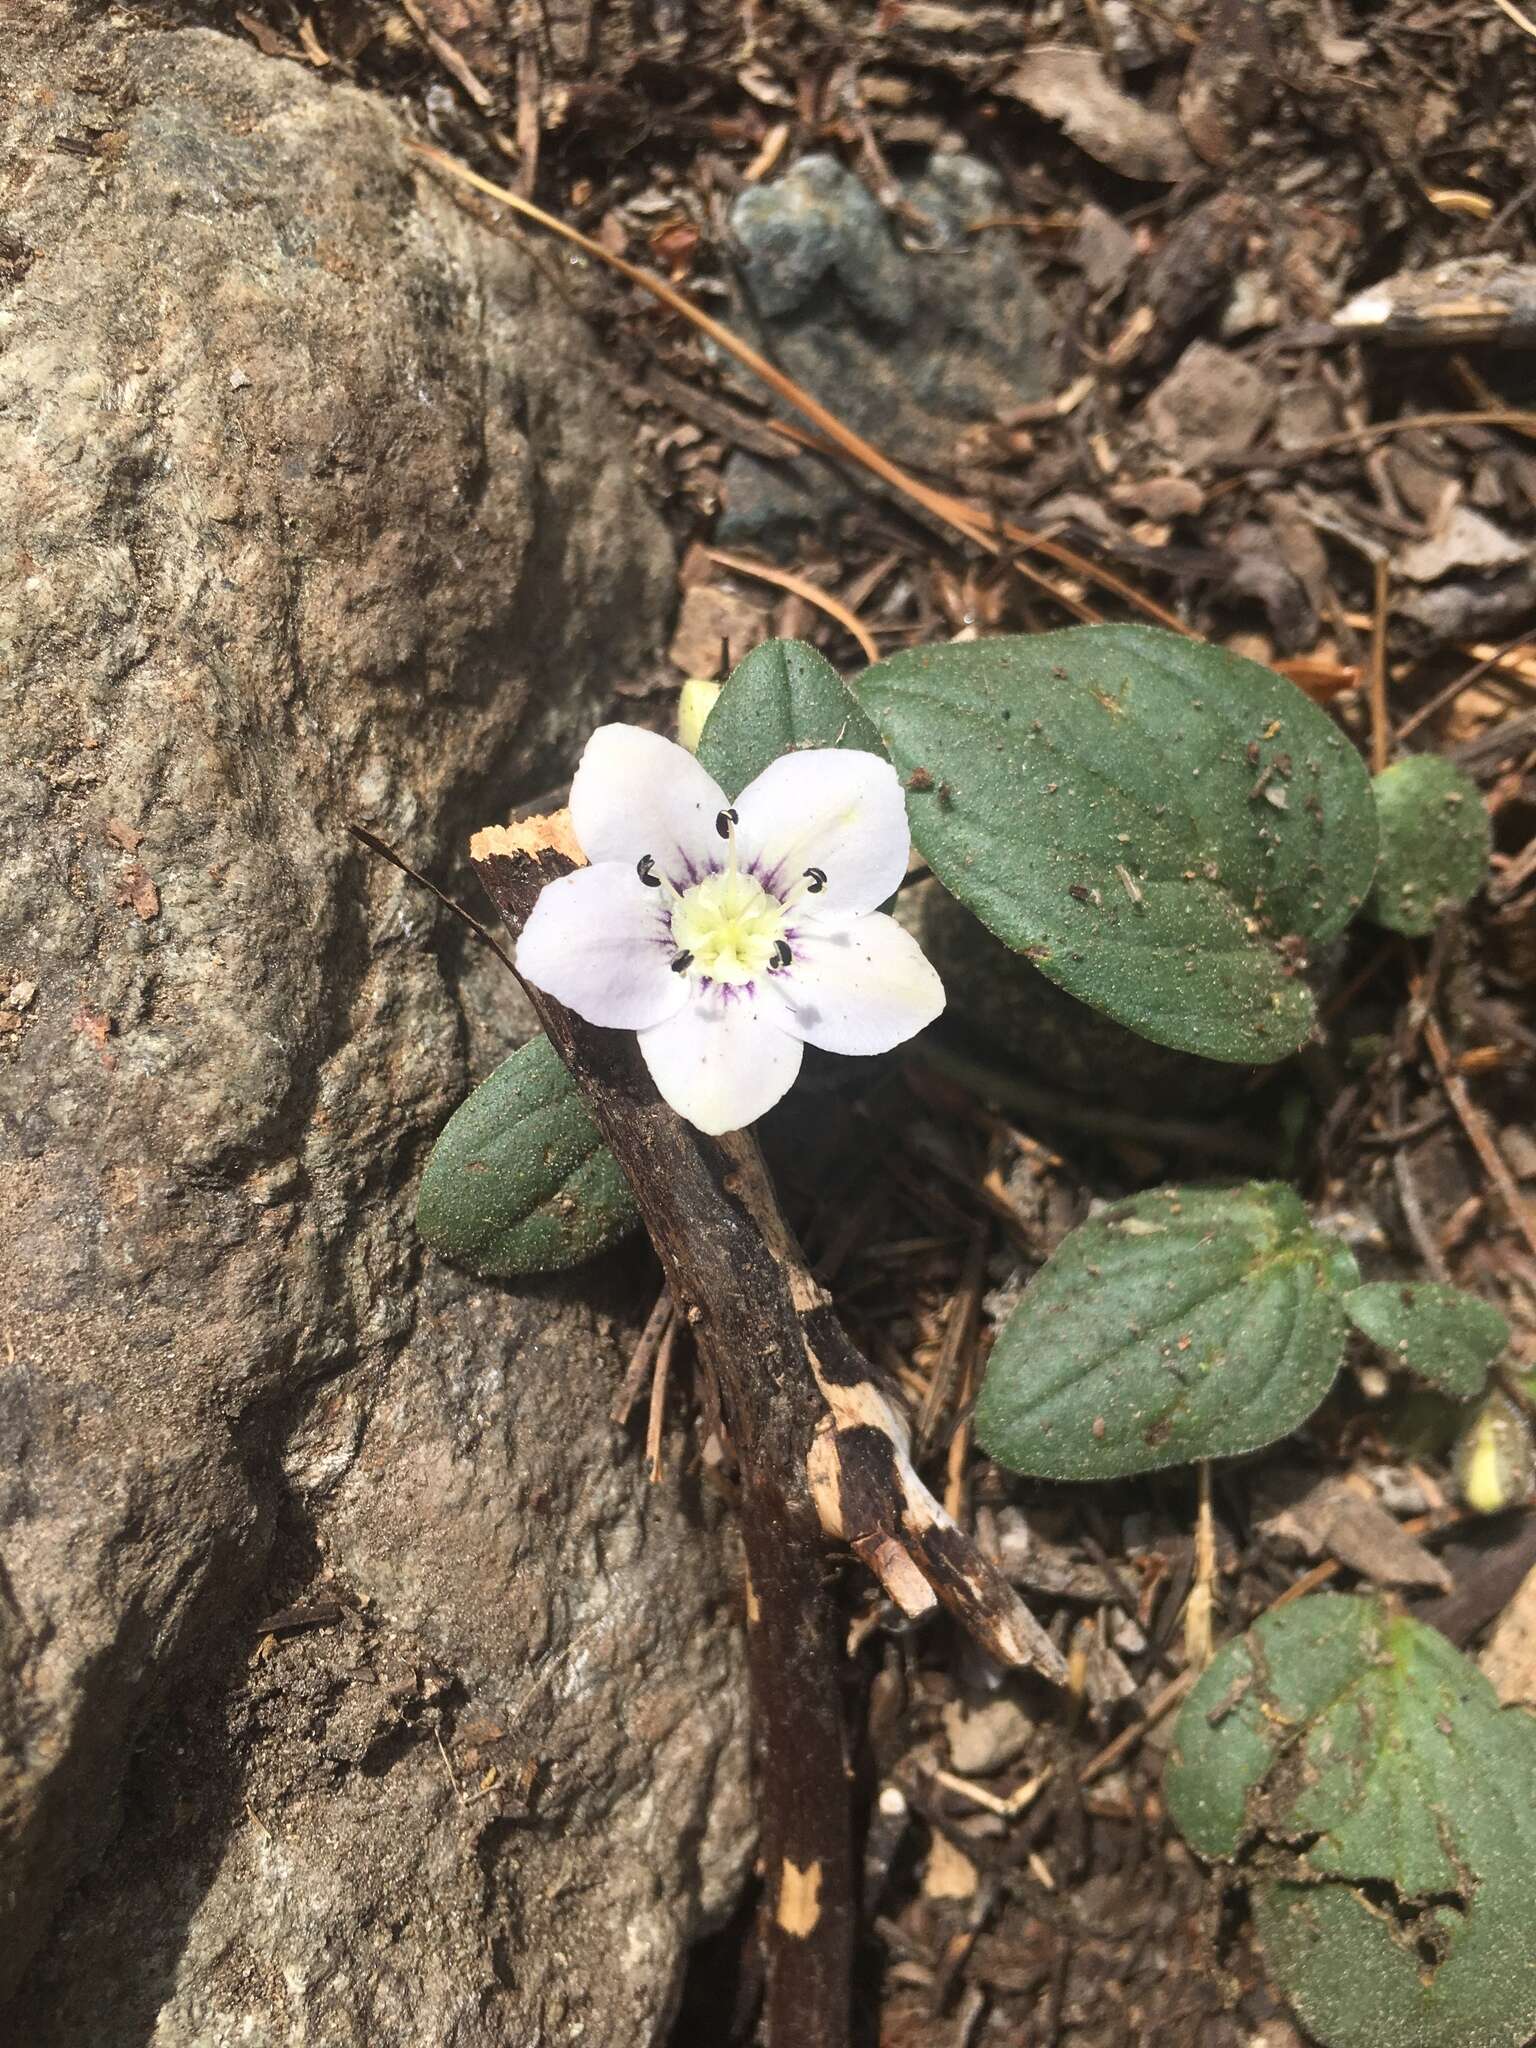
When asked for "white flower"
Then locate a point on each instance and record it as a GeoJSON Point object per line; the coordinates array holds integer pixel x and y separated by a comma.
{"type": "Point", "coordinates": [731, 936]}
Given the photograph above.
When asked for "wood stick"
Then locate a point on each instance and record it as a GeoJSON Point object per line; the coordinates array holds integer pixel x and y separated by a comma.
{"type": "Point", "coordinates": [821, 1453]}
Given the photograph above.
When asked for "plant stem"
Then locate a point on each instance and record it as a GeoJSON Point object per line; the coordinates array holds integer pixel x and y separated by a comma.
{"type": "Point", "coordinates": [820, 1453]}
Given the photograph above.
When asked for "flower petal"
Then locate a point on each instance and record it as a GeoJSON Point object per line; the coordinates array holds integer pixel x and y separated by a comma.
{"type": "Point", "coordinates": [599, 941]}
{"type": "Point", "coordinates": [636, 793]}
{"type": "Point", "coordinates": [721, 1062]}
{"type": "Point", "coordinates": [831, 808]}
{"type": "Point", "coordinates": [857, 985]}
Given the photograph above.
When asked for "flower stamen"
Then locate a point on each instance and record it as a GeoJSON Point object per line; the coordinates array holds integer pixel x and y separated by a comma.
{"type": "Point", "coordinates": [811, 883]}
{"type": "Point", "coordinates": [645, 868]}
{"type": "Point", "coordinates": [681, 963]}
{"type": "Point", "coordinates": [725, 825]}
{"type": "Point", "coordinates": [782, 956]}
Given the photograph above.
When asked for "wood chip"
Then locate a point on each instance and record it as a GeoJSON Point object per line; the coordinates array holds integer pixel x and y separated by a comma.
{"type": "Point", "coordinates": [715, 628]}
{"type": "Point", "coordinates": [1509, 1660]}
{"type": "Point", "coordinates": [948, 1873]}
{"type": "Point", "coordinates": [1072, 87]}
{"type": "Point", "coordinates": [1344, 1518]}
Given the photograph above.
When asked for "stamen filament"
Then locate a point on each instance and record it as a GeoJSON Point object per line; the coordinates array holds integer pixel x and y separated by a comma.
{"type": "Point", "coordinates": [645, 868]}
{"type": "Point", "coordinates": [725, 825]}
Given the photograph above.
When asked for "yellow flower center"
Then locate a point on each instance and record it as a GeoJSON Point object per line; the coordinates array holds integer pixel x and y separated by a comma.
{"type": "Point", "coordinates": [730, 927]}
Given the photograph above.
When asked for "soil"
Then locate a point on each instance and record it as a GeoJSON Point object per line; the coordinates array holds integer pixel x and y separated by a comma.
{"type": "Point", "coordinates": [1199, 193]}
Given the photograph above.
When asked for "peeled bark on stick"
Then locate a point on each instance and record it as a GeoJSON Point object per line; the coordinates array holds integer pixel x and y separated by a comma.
{"type": "Point", "coordinates": [822, 1453]}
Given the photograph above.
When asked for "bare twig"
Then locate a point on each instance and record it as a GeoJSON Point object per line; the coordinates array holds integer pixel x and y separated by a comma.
{"type": "Point", "coordinates": [802, 586]}
{"type": "Point", "coordinates": [958, 1340]}
{"type": "Point", "coordinates": [1464, 681]}
{"type": "Point", "coordinates": [658, 1413]}
{"type": "Point", "coordinates": [449, 57]}
{"type": "Point", "coordinates": [1475, 1124]}
{"type": "Point", "coordinates": [1517, 15]}
{"type": "Point", "coordinates": [1381, 724]}
{"type": "Point", "coordinates": [386, 852]}
{"type": "Point", "coordinates": [1199, 1612]}
{"type": "Point", "coordinates": [642, 1360]}
{"type": "Point", "coordinates": [821, 1453]}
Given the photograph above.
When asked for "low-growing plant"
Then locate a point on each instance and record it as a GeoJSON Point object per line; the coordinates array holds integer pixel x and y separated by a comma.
{"type": "Point", "coordinates": [1172, 835]}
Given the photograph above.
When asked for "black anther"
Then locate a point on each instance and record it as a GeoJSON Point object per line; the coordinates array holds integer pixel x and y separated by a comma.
{"type": "Point", "coordinates": [645, 868]}
{"type": "Point", "coordinates": [681, 963]}
{"type": "Point", "coordinates": [724, 822]}
{"type": "Point", "coordinates": [817, 877]}
{"type": "Point", "coordinates": [781, 954]}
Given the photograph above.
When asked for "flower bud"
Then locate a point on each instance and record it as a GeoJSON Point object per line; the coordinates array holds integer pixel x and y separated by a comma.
{"type": "Point", "coordinates": [1493, 1459]}
{"type": "Point", "coordinates": [695, 701]}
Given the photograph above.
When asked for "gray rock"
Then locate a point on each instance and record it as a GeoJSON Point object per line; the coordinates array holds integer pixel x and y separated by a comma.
{"type": "Point", "coordinates": [908, 341]}
{"type": "Point", "coordinates": [316, 509]}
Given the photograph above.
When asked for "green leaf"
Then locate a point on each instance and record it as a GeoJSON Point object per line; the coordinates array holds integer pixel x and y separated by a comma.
{"type": "Point", "coordinates": [1189, 1323]}
{"type": "Point", "coordinates": [781, 696]}
{"type": "Point", "coordinates": [1386, 1807]}
{"type": "Point", "coordinates": [1442, 1334]}
{"type": "Point", "coordinates": [519, 1180]}
{"type": "Point", "coordinates": [1434, 843]}
{"type": "Point", "coordinates": [1148, 818]}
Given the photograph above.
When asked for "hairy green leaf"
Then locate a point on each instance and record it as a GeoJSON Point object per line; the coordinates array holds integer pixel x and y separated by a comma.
{"type": "Point", "coordinates": [1386, 1808]}
{"type": "Point", "coordinates": [519, 1180]}
{"type": "Point", "coordinates": [1434, 843]}
{"type": "Point", "coordinates": [1441, 1334]}
{"type": "Point", "coordinates": [1189, 1323]}
{"type": "Point", "coordinates": [1158, 824]}
{"type": "Point", "coordinates": [781, 696]}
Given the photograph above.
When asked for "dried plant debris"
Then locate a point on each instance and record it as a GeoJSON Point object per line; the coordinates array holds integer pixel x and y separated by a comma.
{"type": "Point", "coordinates": [1470, 299]}
{"type": "Point", "coordinates": [1073, 87]}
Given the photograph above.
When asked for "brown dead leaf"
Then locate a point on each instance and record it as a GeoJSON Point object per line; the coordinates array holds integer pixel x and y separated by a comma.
{"type": "Point", "coordinates": [123, 835]}
{"type": "Point", "coordinates": [948, 1873]}
{"type": "Point", "coordinates": [1462, 539]}
{"type": "Point", "coordinates": [1161, 497]}
{"type": "Point", "coordinates": [266, 38]}
{"type": "Point", "coordinates": [1072, 88]}
{"type": "Point", "coordinates": [712, 619]}
{"type": "Point", "coordinates": [1344, 1518]}
{"type": "Point", "coordinates": [1102, 248]}
{"type": "Point", "coordinates": [1509, 1660]}
{"type": "Point", "coordinates": [1211, 404]}
{"type": "Point", "coordinates": [1230, 82]}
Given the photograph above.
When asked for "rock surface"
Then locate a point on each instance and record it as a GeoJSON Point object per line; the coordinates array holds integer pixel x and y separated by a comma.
{"type": "Point", "coordinates": [909, 345]}
{"type": "Point", "coordinates": [315, 509]}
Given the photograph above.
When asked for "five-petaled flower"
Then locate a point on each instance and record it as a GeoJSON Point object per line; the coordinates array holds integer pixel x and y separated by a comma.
{"type": "Point", "coordinates": [731, 936]}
